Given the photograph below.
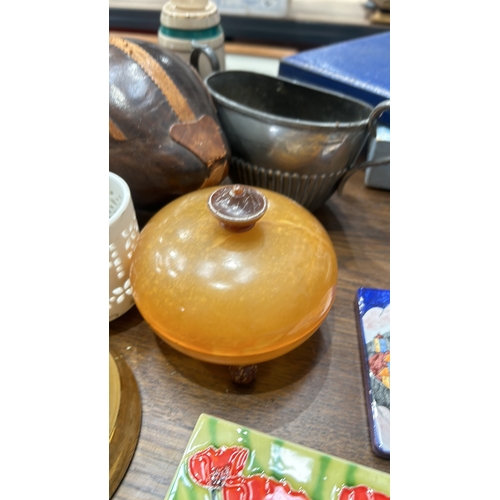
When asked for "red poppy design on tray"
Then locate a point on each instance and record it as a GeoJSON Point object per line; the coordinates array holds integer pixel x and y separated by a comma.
{"type": "Point", "coordinates": [261, 487]}
{"type": "Point", "coordinates": [361, 493]}
{"type": "Point", "coordinates": [220, 471]}
{"type": "Point", "coordinates": [212, 468]}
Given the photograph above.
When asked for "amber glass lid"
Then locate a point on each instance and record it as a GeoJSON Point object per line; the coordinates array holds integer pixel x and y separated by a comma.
{"type": "Point", "coordinates": [234, 275]}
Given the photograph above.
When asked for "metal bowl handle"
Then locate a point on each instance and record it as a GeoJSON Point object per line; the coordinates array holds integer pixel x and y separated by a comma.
{"type": "Point", "coordinates": [377, 111]}
{"type": "Point", "coordinates": [372, 131]}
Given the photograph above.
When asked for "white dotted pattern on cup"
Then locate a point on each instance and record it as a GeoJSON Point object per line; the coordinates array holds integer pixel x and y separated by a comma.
{"type": "Point", "coordinates": [120, 264]}
{"type": "Point", "coordinates": [115, 199]}
{"type": "Point", "coordinates": [124, 231]}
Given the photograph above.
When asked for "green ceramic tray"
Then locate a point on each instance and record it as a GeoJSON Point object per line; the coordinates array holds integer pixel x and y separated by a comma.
{"type": "Point", "coordinates": [226, 461]}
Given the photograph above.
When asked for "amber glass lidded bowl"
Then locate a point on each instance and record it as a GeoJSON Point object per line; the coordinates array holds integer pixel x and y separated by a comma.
{"type": "Point", "coordinates": [234, 275]}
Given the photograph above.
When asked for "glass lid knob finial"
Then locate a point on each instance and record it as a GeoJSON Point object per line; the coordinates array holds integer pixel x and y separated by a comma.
{"type": "Point", "coordinates": [237, 207]}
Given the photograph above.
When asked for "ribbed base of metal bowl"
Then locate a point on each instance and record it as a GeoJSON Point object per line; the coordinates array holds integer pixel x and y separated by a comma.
{"type": "Point", "coordinates": [311, 191]}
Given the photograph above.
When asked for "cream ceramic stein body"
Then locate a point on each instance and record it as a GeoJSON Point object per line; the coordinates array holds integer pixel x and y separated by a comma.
{"type": "Point", "coordinates": [123, 233]}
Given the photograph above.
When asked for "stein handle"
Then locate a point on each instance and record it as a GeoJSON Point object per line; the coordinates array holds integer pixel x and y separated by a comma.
{"type": "Point", "coordinates": [372, 132]}
{"type": "Point", "coordinates": [198, 49]}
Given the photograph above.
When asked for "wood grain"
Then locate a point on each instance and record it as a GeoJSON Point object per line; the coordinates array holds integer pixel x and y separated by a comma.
{"type": "Point", "coordinates": [313, 396]}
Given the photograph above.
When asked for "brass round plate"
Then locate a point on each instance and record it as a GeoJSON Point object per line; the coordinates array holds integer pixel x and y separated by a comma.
{"type": "Point", "coordinates": [125, 416]}
{"type": "Point", "coordinates": [114, 394]}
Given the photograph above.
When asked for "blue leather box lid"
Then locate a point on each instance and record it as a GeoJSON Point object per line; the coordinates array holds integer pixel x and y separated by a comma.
{"type": "Point", "coordinates": [358, 68]}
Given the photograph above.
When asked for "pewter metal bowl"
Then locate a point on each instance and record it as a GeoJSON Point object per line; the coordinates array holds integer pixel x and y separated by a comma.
{"type": "Point", "coordinates": [298, 140]}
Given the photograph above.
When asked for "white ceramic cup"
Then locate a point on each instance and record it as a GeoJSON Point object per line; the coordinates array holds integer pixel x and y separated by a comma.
{"type": "Point", "coordinates": [123, 234]}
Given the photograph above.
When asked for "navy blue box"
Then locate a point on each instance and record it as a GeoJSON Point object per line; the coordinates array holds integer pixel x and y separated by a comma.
{"type": "Point", "coordinates": [358, 68]}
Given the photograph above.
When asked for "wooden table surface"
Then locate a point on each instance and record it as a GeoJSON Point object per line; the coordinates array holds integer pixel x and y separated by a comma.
{"type": "Point", "coordinates": [312, 396]}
